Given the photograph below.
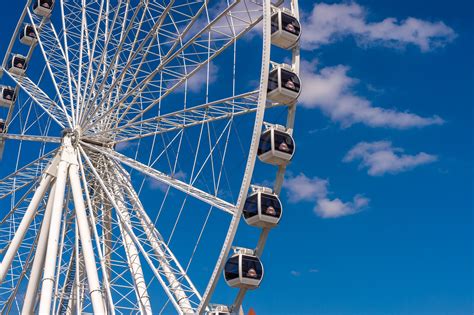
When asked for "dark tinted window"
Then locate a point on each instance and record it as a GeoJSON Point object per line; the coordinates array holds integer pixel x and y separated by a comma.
{"type": "Point", "coordinates": [251, 206]}
{"type": "Point", "coordinates": [274, 23]}
{"type": "Point", "coordinates": [30, 31]}
{"type": "Point", "coordinates": [19, 62]}
{"type": "Point", "coordinates": [284, 142]}
{"type": "Point", "coordinates": [270, 206]}
{"type": "Point", "coordinates": [290, 80]}
{"type": "Point", "coordinates": [231, 269]}
{"type": "Point", "coordinates": [251, 267]}
{"type": "Point", "coordinates": [273, 80]}
{"type": "Point", "coordinates": [290, 24]}
{"type": "Point", "coordinates": [265, 144]}
{"type": "Point", "coordinates": [8, 94]}
{"type": "Point", "coordinates": [46, 3]}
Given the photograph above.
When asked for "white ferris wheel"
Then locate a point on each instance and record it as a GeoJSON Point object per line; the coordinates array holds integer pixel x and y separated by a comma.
{"type": "Point", "coordinates": [129, 135]}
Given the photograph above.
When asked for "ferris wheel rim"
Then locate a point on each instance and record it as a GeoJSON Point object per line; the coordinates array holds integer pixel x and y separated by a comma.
{"type": "Point", "coordinates": [251, 158]}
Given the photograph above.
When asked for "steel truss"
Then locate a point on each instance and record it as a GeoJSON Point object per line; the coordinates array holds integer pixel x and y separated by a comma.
{"type": "Point", "coordinates": [128, 164]}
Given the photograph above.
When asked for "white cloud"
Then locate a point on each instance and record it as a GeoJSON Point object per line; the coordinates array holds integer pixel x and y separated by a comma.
{"type": "Point", "coordinates": [381, 157]}
{"type": "Point", "coordinates": [331, 90]}
{"type": "Point", "coordinates": [295, 273]}
{"type": "Point", "coordinates": [330, 22]}
{"type": "Point", "coordinates": [302, 188]}
{"type": "Point", "coordinates": [199, 79]}
{"type": "Point", "coordinates": [158, 185]}
{"type": "Point", "coordinates": [335, 208]}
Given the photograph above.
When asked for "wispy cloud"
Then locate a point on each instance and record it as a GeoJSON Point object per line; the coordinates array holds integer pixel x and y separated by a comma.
{"type": "Point", "coordinates": [381, 157]}
{"type": "Point", "coordinates": [200, 78]}
{"type": "Point", "coordinates": [295, 273]}
{"type": "Point", "coordinates": [303, 188]}
{"type": "Point", "coordinates": [331, 89]}
{"type": "Point", "coordinates": [157, 185]}
{"type": "Point", "coordinates": [328, 23]}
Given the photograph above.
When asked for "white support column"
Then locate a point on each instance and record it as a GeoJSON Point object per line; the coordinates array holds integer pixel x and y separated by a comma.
{"type": "Point", "coordinates": [132, 255]}
{"type": "Point", "coordinates": [38, 263]}
{"type": "Point", "coordinates": [86, 242]}
{"type": "Point", "coordinates": [53, 239]}
{"type": "Point", "coordinates": [23, 227]}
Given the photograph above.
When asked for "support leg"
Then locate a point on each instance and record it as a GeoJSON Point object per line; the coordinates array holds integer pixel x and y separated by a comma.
{"type": "Point", "coordinates": [23, 227]}
{"type": "Point", "coordinates": [86, 242]}
{"type": "Point", "coordinates": [53, 240]}
{"type": "Point", "coordinates": [38, 263]}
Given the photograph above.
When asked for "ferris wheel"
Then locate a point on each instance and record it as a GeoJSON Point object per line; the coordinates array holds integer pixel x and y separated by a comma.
{"type": "Point", "coordinates": [129, 134]}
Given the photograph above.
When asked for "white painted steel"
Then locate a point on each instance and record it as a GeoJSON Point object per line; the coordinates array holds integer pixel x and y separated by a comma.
{"type": "Point", "coordinates": [23, 227]}
{"type": "Point", "coordinates": [108, 65]}
{"type": "Point", "coordinates": [53, 239]}
{"type": "Point", "coordinates": [38, 263]}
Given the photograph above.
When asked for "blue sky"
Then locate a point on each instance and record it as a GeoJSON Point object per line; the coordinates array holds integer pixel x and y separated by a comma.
{"type": "Point", "coordinates": [378, 199]}
{"type": "Point", "coordinates": [405, 243]}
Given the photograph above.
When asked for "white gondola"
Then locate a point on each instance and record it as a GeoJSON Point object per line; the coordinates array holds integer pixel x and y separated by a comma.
{"type": "Point", "coordinates": [284, 86]}
{"type": "Point", "coordinates": [286, 29]}
{"type": "Point", "coordinates": [7, 96]}
{"type": "Point", "coordinates": [276, 146]}
{"type": "Point", "coordinates": [243, 269]}
{"type": "Point", "coordinates": [3, 129]}
{"type": "Point", "coordinates": [43, 7]}
{"type": "Point", "coordinates": [28, 35]}
{"type": "Point", "coordinates": [219, 310]}
{"type": "Point", "coordinates": [262, 208]}
{"type": "Point", "coordinates": [17, 64]}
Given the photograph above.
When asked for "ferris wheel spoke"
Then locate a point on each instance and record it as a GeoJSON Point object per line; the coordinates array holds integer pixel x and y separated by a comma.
{"type": "Point", "coordinates": [57, 62]}
{"type": "Point", "coordinates": [33, 138]}
{"type": "Point", "coordinates": [166, 179]}
{"type": "Point", "coordinates": [103, 65]}
{"type": "Point", "coordinates": [176, 289]}
{"type": "Point", "coordinates": [172, 275]}
{"type": "Point", "coordinates": [140, 56]}
{"type": "Point", "coordinates": [184, 62]}
{"type": "Point", "coordinates": [53, 109]}
{"type": "Point", "coordinates": [142, 34]}
{"type": "Point", "coordinates": [235, 21]}
{"type": "Point", "coordinates": [217, 110]}
{"type": "Point", "coordinates": [165, 256]}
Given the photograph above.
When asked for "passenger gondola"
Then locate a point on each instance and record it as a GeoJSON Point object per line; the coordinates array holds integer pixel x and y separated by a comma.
{"type": "Point", "coordinates": [243, 270]}
{"type": "Point", "coordinates": [262, 208]}
{"type": "Point", "coordinates": [284, 86]}
{"type": "Point", "coordinates": [2, 126]}
{"type": "Point", "coordinates": [43, 7]}
{"type": "Point", "coordinates": [276, 146]}
{"type": "Point", "coordinates": [7, 96]}
{"type": "Point", "coordinates": [28, 35]}
{"type": "Point", "coordinates": [286, 29]}
{"type": "Point", "coordinates": [17, 64]}
{"type": "Point", "coordinates": [219, 310]}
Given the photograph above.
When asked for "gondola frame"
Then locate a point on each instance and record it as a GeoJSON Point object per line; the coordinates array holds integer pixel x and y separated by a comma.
{"type": "Point", "coordinates": [280, 94]}
{"type": "Point", "coordinates": [2, 126]}
{"type": "Point", "coordinates": [3, 101]}
{"type": "Point", "coordinates": [25, 38]}
{"type": "Point", "coordinates": [241, 281]}
{"type": "Point", "coordinates": [276, 157]}
{"type": "Point", "coordinates": [262, 220]}
{"type": "Point", "coordinates": [282, 38]}
{"type": "Point", "coordinates": [42, 11]}
{"type": "Point", "coordinates": [13, 69]}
